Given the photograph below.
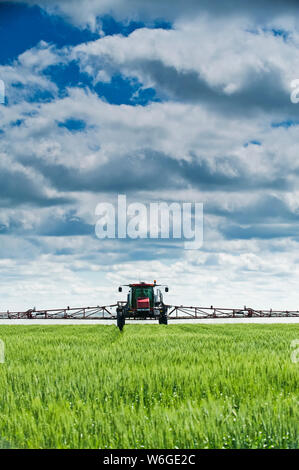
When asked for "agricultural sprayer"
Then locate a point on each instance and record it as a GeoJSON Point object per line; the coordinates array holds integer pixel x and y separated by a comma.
{"type": "Point", "coordinates": [145, 302]}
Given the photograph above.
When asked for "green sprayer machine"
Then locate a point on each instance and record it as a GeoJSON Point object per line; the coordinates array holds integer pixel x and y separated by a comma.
{"type": "Point", "coordinates": [143, 301]}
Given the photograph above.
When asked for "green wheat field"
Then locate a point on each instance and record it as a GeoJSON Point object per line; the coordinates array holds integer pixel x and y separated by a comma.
{"type": "Point", "coordinates": [176, 386]}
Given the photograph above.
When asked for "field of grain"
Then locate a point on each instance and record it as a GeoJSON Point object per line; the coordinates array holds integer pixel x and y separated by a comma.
{"type": "Point", "coordinates": [178, 386]}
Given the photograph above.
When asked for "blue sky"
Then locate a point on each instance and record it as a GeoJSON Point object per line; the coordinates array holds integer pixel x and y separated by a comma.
{"type": "Point", "coordinates": [158, 102]}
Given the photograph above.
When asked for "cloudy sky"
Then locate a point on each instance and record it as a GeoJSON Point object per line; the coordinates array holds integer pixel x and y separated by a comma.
{"type": "Point", "coordinates": [162, 100]}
